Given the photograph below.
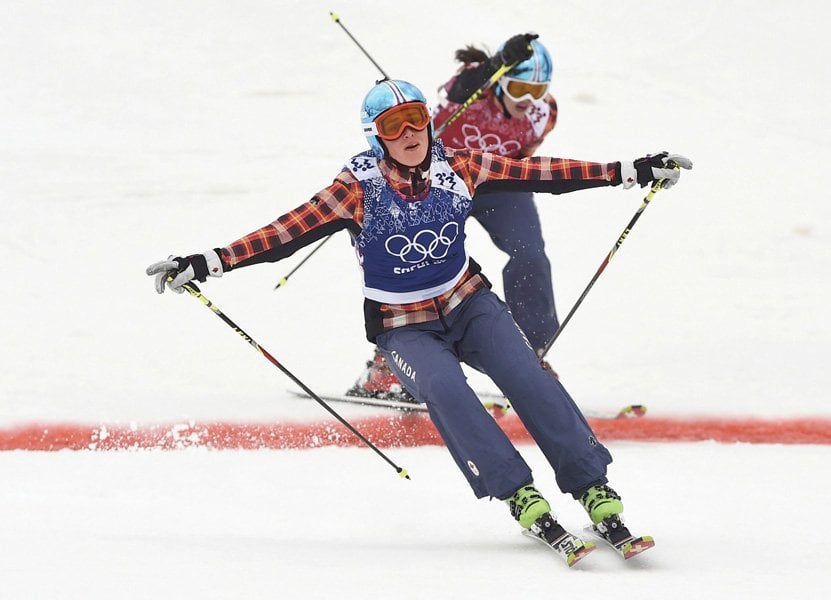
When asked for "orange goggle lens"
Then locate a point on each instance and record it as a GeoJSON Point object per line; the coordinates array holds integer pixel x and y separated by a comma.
{"type": "Point", "coordinates": [517, 89]}
{"type": "Point", "coordinates": [391, 123]}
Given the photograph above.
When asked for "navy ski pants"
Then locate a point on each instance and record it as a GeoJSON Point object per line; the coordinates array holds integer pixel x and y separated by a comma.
{"type": "Point", "coordinates": [512, 221]}
{"type": "Point", "coordinates": [481, 332]}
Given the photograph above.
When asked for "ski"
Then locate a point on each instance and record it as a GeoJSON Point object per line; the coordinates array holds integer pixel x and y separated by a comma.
{"type": "Point", "coordinates": [619, 539]}
{"type": "Point", "coordinates": [568, 546]}
{"type": "Point", "coordinates": [495, 403]}
{"type": "Point", "coordinates": [632, 411]}
{"type": "Point", "coordinates": [495, 406]}
{"type": "Point", "coordinates": [401, 405]}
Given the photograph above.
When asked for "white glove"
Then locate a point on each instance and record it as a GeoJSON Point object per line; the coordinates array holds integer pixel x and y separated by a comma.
{"type": "Point", "coordinates": [183, 270]}
{"type": "Point", "coordinates": [654, 167]}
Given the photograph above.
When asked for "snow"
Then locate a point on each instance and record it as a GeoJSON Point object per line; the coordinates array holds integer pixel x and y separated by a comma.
{"type": "Point", "coordinates": [133, 130]}
{"type": "Point", "coordinates": [334, 523]}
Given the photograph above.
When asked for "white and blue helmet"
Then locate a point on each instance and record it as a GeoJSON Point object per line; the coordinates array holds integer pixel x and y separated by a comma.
{"type": "Point", "coordinates": [537, 69]}
{"type": "Point", "coordinates": [384, 95]}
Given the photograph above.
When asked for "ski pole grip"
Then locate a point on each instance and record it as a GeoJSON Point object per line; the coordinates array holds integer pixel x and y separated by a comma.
{"type": "Point", "coordinates": [672, 165]}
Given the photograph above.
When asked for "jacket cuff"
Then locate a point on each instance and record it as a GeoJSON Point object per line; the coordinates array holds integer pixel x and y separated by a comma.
{"type": "Point", "coordinates": [628, 174]}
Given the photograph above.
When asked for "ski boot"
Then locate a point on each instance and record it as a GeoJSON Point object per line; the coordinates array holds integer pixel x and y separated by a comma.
{"type": "Point", "coordinates": [534, 514]}
{"type": "Point", "coordinates": [378, 381]}
{"type": "Point", "coordinates": [527, 505]}
{"type": "Point", "coordinates": [604, 507]}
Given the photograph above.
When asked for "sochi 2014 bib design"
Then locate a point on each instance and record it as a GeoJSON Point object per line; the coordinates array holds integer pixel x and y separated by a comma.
{"type": "Point", "coordinates": [416, 247]}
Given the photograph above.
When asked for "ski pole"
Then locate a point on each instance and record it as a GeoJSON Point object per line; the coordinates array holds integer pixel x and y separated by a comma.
{"type": "Point", "coordinates": [474, 97]}
{"type": "Point", "coordinates": [336, 19]}
{"type": "Point", "coordinates": [502, 70]}
{"type": "Point", "coordinates": [463, 107]}
{"type": "Point", "coordinates": [654, 190]}
{"type": "Point", "coordinates": [194, 291]}
{"type": "Point", "coordinates": [285, 279]}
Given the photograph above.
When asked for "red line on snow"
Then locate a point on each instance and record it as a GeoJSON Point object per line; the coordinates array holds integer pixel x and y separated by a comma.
{"type": "Point", "coordinates": [397, 431]}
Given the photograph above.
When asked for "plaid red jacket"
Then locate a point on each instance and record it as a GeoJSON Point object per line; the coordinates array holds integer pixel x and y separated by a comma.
{"type": "Point", "coordinates": [340, 206]}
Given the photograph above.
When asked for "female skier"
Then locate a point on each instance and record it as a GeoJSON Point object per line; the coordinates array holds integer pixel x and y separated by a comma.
{"type": "Point", "coordinates": [512, 118]}
{"type": "Point", "coordinates": [429, 308]}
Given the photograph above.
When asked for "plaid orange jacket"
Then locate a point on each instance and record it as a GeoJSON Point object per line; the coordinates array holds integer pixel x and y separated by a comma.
{"type": "Point", "coordinates": [340, 206]}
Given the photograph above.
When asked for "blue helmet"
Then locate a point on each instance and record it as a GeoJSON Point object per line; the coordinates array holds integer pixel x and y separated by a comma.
{"type": "Point", "coordinates": [537, 69]}
{"type": "Point", "coordinates": [383, 96]}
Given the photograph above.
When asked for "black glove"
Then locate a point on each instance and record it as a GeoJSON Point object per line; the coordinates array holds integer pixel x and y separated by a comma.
{"type": "Point", "coordinates": [515, 50]}
{"type": "Point", "coordinates": [183, 270]}
{"type": "Point", "coordinates": [653, 167]}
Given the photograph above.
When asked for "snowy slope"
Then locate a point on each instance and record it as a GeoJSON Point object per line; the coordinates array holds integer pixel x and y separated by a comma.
{"type": "Point", "coordinates": [338, 523]}
{"type": "Point", "coordinates": [129, 134]}
{"type": "Point", "coordinates": [133, 130]}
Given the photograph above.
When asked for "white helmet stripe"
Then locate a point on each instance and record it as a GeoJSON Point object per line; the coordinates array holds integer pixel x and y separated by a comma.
{"type": "Point", "coordinates": [396, 92]}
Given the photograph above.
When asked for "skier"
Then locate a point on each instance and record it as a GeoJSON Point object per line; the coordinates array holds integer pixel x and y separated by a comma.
{"type": "Point", "coordinates": [429, 308]}
{"type": "Point", "coordinates": [510, 119]}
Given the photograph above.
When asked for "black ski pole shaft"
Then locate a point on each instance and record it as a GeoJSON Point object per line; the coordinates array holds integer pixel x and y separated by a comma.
{"type": "Point", "coordinates": [336, 19]}
{"type": "Point", "coordinates": [285, 279]}
{"type": "Point", "coordinates": [463, 107]}
{"type": "Point", "coordinates": [654, 190]}
{"type": "Point", "coordinates": [194, 291]}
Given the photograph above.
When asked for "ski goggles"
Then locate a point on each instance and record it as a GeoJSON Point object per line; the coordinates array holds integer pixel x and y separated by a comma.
{"type": "Point", "coordinates": [518, 90]}
{"type": "Point", "coordinates": [391, 123]}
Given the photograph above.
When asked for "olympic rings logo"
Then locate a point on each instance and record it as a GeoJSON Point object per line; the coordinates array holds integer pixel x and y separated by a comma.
{"type": "Point", "coordinates": [426, 243]}
{"type": "Point", "coordinates": [490, 142]}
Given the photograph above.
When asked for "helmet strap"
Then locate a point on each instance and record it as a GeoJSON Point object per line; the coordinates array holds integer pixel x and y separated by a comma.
{"type": "Point", "coordinates": [386, 152]}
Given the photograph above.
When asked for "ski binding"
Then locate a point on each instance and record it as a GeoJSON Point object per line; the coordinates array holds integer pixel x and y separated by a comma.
{"type": "Point", "coordinates": [614, 533]}
{"type": "Point", "coordinates": [568, 546]}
